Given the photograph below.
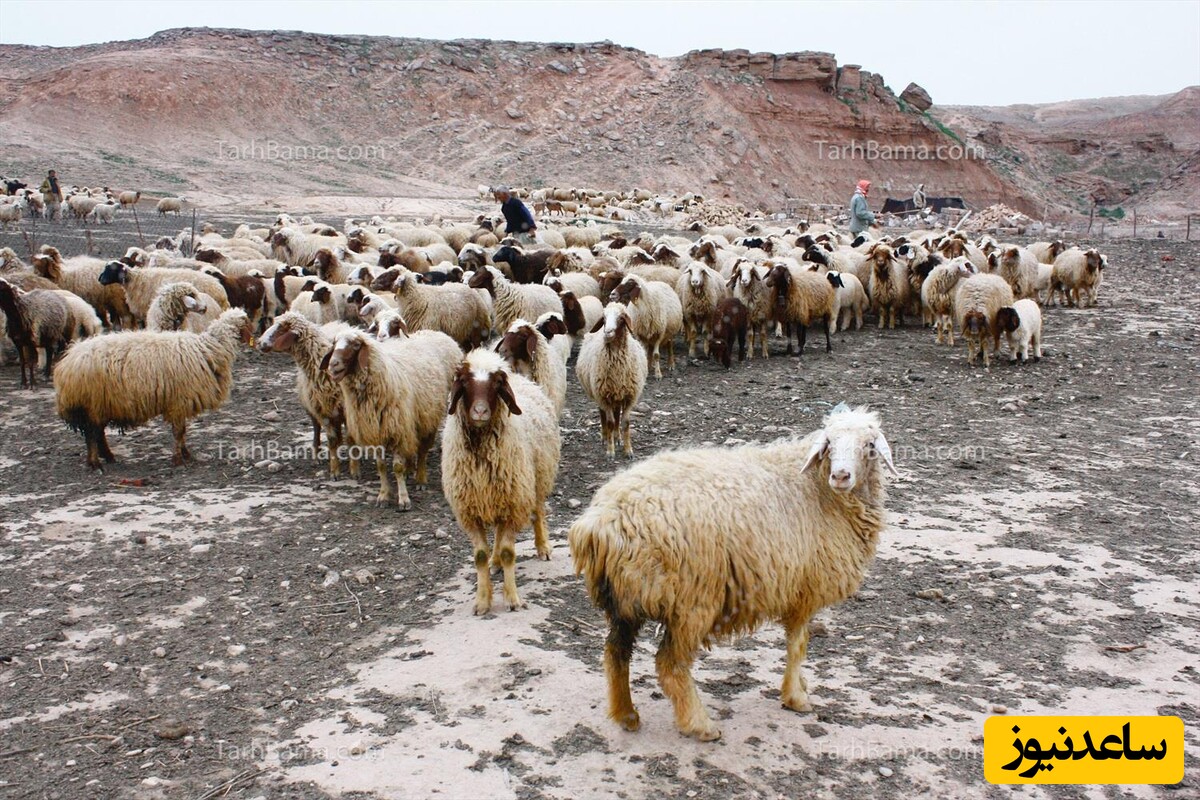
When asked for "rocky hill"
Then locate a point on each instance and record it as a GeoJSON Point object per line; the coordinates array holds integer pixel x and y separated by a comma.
{"type": "Point", "coordinates": [243, 117]}
{"type": "Point", "coordinates": [1129, 152]}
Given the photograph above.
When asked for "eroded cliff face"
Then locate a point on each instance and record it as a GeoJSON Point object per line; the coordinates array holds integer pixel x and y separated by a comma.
{"type": "Point", "coordinates": [246, 113]}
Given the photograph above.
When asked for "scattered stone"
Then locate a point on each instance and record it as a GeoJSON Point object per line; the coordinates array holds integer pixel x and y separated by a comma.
{"type": "Point", "coordinates": [999, 709]}
{"type": "Point", "coordinates": [199, 549]}
{"type": "Point", "coordinates": [574, 503]}
{"type": "Point", "coordinates": [235, 650]}
{"type": "Point", "coordinates": [885, 772]}
{"type": "Point", "coordinates": [931, 594]}
{"type": "Point", "coordinates": [171, 730]}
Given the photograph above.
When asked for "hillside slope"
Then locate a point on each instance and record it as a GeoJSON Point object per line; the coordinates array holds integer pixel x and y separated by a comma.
{"type": "Point", "coordinates": [211, 112]}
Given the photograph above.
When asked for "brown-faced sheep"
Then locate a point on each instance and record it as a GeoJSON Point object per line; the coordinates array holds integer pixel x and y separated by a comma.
{"type": "Point", "coordinates": [1075, 276]}
{"type": "Point", "coordinates": [888, 287]}
{"type": "Point", "coordinates": [800, 298]}
{"type": "Point", "coordinates": [655, 316]}
{"type": "Point", "coordinates": [512, 301]}
{"type": "Point", "coordinates": [730, 319]}
{"type": "Point", "coordinates": [977, 300]}
{"type": "Point", "coordinates": [36, 319]}
{"type": "Point", "coordinates": [748, 284]}
{"type": "Point", "coordinates": [500, 452]}
{"type": "Point", "coordinates": [528, 353]}
{"type": "Point", "coordinates": [452, 308]}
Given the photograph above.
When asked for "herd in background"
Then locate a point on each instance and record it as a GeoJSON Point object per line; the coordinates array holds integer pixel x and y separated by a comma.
{"type": "Point", "coordinates": [401, 332]}
{"type": "Point", "coordinates": [79, 203]}
{"type": "Point", "coordinates": [609, 204]}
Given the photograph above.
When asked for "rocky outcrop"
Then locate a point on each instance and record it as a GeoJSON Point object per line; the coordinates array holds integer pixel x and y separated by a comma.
{"type": "Point", "coordinates": [917, 97]}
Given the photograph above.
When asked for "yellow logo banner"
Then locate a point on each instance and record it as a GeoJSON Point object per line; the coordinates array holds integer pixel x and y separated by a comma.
{"type": "Point", "coordinates": [1083, 749]}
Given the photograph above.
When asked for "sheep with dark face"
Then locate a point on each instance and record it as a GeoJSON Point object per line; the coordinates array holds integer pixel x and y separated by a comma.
{"type": "Point", "coordinates": [500, 452]}
{"type": "Point", "coordinates": [801, 298]}
{"type": "Point", "coordinates": [528, 353]}
{"type": "Point", "coordinates": [1022, 326]}
{"type": "Point", "coordinates": [730, 319]}
{"type": "Point", "coordinates": [977, 302]}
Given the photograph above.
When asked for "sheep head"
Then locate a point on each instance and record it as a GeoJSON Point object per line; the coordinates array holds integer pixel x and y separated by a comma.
{"type": "Point", "coordinates": [696, 277]}
{"type": "Point", "coordinates": [484, 279]}
{"type": "Point", "coordinates": [480, 385]}
{"type": "Point", "coordinates": [1093, 260]}
{"type": "Point", "coordinates": [627, 291]}
{"type": "Point", "coordinates": [388, 324]}
{"type": "Point", "coordinates": [835, 279]}
{"type": "Point", "coordinates": [518, 346]}
{"type": "Point", "coordinates": [1007, 319]}
{"type": "Point", "coordinates": [815, 254]}
{"type": "Point", "coordinates": [386, 280]}
{"type": "Point", "coordinates": [114, 272]}
{"type": "Point", "coordinates": [851, 446]}
{"type": "Point", "coordinates": [280, 337]}
{"type": "Point", "coordinates": [350, 354]}
{"type": "Point", "coordinates": [614, 323]}
{"type": "Point", "coordinates": [551, 324]}
{"type": "Point", "coordinates": [974, 323]}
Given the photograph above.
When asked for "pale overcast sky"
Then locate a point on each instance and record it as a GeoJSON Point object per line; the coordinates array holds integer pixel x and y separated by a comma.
{"type": "Point", "coordinates": [979, 53]}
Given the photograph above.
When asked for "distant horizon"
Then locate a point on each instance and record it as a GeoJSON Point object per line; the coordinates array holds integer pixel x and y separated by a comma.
{"type": "Point", "coordinates": [957, 57]}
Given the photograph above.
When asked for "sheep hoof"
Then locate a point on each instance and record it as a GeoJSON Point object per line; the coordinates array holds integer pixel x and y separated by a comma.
{"type": "Point", "coordinates": [382, 500]}
{"type": "Point", "coordinates": [630, 722]}
{"type": "Point", "coordinates": [404, 506]}
{"type": "Point", "coordinates": [482, 607]}
{"type": "Point", "coordinates": [799, 706]}
{"type": "Point", "coordinates": [544, 553]}
{"type": "Point", "coordinates": [515, 605]}
{"type": "Point", "coordinates": [709, 733]}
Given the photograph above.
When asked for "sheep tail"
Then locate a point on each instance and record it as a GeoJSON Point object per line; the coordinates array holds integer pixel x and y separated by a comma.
{"type": "Point", "coordinates": [598, 551]}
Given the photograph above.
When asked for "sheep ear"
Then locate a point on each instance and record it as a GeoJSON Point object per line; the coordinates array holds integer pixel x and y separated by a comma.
{"type": "Point", "coordinates": [885, 452]}
{"type": "Point", "coordinates": [504, 392]}
{"type": "Point", "coordinates": [325, 361]}
{"type": "Point", "coordinates": [599, 324]}
{"type": "Point", "coordinates": [819, 446]}
{"type": "Point", "coordinates": [363, 356]}
{"type": "Point", "coordinates": [456, 393]}
{"type": "Point", "coordinates": [189, 303]}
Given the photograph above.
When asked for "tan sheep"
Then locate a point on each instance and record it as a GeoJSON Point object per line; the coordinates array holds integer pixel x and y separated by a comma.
{"type": "Point", "coordinates": [81, 275]}
{"type": "Point", "coordinates": [712, 542]}
{"type": "Point", "coordinates": [800, 298]}
{"type": "Point", "coordinates": [977, 300]}
{"type": "Point", "coordinates": [500, 452]}
{"type": "Point", "coordinates": [700, 289]}
{"type": "Point", "coordinates": [612, 368]}
{"type": "Point", "coordinates": [528, 353]}
{"type": "Point", "coordinates": [1076, 275]}
{"type": "Point", "coordinates": [452, 308]}
{"type": "Point", "coordinates": [888, 287]}
{"type": "Point", "coordinates": [130, 378]}
{"type": "Point", "coordinates": [655, 316]}
{"type": "Point", "coordinates": [1019, 267]}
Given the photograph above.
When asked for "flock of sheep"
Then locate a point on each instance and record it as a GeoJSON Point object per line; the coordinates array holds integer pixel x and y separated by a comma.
{"type": "Point", "coordinates": [96, 205]}
{"type": "Point", "coordinates": [404, 332]}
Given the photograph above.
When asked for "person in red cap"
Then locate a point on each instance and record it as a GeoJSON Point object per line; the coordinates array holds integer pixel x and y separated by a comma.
{"type": "Point", "coordinates": [861, 217]}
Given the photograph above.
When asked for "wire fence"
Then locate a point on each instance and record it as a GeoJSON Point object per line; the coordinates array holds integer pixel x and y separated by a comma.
{"type": "Point", "coordinates": [136, 226]}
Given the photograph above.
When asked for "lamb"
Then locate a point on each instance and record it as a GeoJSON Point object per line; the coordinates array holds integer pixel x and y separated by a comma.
{"type": "Point", "coordinates": [247, 292]}
{"type": "Point", "coordinates": [453, 308]}
{"type": "Point", "coordinates": [393, 396]}
{"type": "Point", "coordinates": [581, 237]}
{"type": "Point", "coordinates": [363, 275]}
{"type": "Point", "coordinates": [319, 395]}
{"type": "Point", "coordinates": [748, 284]}
{"type": "Point", "coordinates": [40, 318]}
{"type": "Point", "coordinates": [528, 353]}
{"type": "Point", "coordinates": [81, 206]}
{"type": "Point", "coordinates": [130, 378]}
{"type": "Point", "coordinates": [1045, 275]}
{"type": "Point", "coordinates": [82, 277]}
{"type": "Point", "coordinates": [612, 368]}
{"type": "Point", "coordinates": [849, 297]}
{"type": "Point", "coordinates": [500, 453]}
{"type": "Point", "coordinates": [847, 260]}
{"type": "Point", "coordinates": [1019, 267]}
{"type": "Point", "coordinates": [1075, 275]}
{"type": "Point", "coordinates": [800, 298]}
{"type": "Point", "coordinates": [472, 257]}
{"type": "Point", "coordinates": [10, 213]}
{"type": "Point", "coordinates": [169, 205]}
{"type": "Point", "coordinates": [770, 532]}
{"type": "Point", "coordinates": [655, 316]}
{"type": "Point", "coordinates": [1022, 326]}
{"type": "Point", "coordinates": [143, 283]}
{"type": "Point", "coordinates": [700, 290]}
{"type": "Point", "coordinates": [888, 287]}
{"type": "Point", "coordinates": [172, 305]}
{"type": "Point", "coordinates": [104, 212]}
{"type": "Point", "coordinates": [938, 293]}
{"type": "Point", "coordinates": [730, 319]}
{"type": "Point", "coordinates": [514, 300]}
{"type": "Point", "coordinates": [977, 300]}
{"type": "Point", "coordinates": [329, 267]}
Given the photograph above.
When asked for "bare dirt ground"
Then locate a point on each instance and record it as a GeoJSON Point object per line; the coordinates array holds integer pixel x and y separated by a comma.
{"type": "Point", "coordinates": [233, 630]}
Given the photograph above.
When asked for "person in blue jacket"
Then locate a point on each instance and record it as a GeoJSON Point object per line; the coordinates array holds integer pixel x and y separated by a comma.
{"type": "Point", "coordinates": [518, 221]}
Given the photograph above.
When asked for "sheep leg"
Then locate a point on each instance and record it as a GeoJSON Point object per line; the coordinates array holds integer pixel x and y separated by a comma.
{"type": "Point", "coordinates": [506, 545]}
{"type": "Point", "coordinates": [423, 456]}
{"type": "Point", "coordinates": [670, 354]}
{"type": "Point", "coordinates": [801, 339]}
{"type": "Point", "coordinates": [541, 536]}
{"type": "Point", "coordinates": [741, 335]}
{"type": "Point", "coordinates": [179, 429]}
{"type": "Point", "coordinates": [674, 662]}
{"type": "Point", "coordinates": [787, 332]}
{"type": "Point", "coordinates": [102, 443]}
{"type": "Point", "coordinates": [829, 324]}
{"type": "Point", "coordinates": [618, 651]}
{"type": "Point", "coordinates": [794, 692]}
{"type": "Point", "coordinates": [333, 438]}
{"type": "Point", "coordinates": [656, 360]}
{"type": "Point", "coordinates": [762, 337]}
{"type": "Point", "coordinates": [606, 432]}
{"type": "Point", "coordinates": [316, 429]}
{"type": "Point", "coordinates": [93, 447]}
{"type": "Point", "coordinates": [483, 584]}
{"type": "Point", "coordinates": [626, 437]}
{"type": "Point", "coordinates": [400, 472]}
{"type": "Point", "coordinates": [704, 334]}
{"type": "Point", "coordinates": [689, 332]}
{"type": "Point", "coordinates": [385, 488]}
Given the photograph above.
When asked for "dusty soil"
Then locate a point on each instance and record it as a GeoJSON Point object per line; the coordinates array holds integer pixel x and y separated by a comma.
{"type": "Point", "coordinates": [234, 630]}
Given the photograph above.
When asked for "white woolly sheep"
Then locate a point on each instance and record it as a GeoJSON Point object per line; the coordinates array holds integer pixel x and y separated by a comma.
{"type": "Point", "coordinates": [1076, 275]}
{"type": "Point", "coordinates": [500, 452]}
{"type": "Point", "coordinates": [1047, 252]}
{"type": "Point", "coordinates": [612, 368]}
{"type": "Point", "coordinates": [1019, 267]}
{"type": "Point", "coordinates": [130, 378]}
{"type": "Point", "coordinates": [142, 284]}
{"type": "Point", "coordinates": [655, 316]}
{"type": "Point", "coordinates": [772, 532]}
{"type": "Point", "coordinates": [528, 353]}
{"type": "Point", "coordinates": [169, 205]}
{"type": "Point", "coordinates": [1022, 326]}
{"type": "Point", "coordinates": [700, 289]}
{"type": "Point", "coordinates": [938, 293]}
{"type": "Point", "coordinates": [849, 297]}
{"type": "Point", "coordinates": [514, 300]}
{"type": "Point", "coordinates": [81, 275]}
{"type": "Point", "coordinates": [976, 303]}
{"type": "Point", "coordinates": [888, 287]}
{"type": "Point", "coordinates": [452, 308]}
{"type": "Point", "coordinates": [320, 397]}
{"type": "Point", "coordinates": [393, 396]}
{"type": "Point", "coordinates": [172, 305]}
{"type": "Point", "coordinates": [800, 298]}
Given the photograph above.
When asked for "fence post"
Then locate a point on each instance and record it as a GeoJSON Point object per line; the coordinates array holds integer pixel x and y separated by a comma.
{"type": "Point", "coordinates": [137, 223]}
{"type": "Point", "coordinates": [192, 241]}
